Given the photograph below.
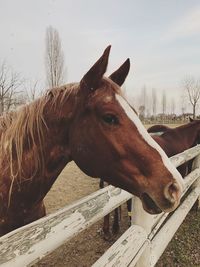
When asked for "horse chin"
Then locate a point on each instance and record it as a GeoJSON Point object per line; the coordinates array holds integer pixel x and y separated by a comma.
{"type": "Point", "coordinates": [149, 205]}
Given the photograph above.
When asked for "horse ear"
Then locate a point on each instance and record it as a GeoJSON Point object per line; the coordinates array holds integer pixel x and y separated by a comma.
{"type": "Point", "coordinates": [191, 120]}
{"type": "Point", "coordinates": [120, 74]}
{"type": "Point", "coordinates": [93, 77]}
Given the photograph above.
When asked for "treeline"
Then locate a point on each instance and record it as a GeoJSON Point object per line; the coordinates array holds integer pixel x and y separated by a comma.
{"type": "Point", "coordinates": [155, 105]}
{"type": "Point", "coordinates": [151, 106]}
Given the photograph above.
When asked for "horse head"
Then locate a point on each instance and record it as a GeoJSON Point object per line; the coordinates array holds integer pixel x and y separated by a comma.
{"type": "Point", "coordinates": [106, 139]}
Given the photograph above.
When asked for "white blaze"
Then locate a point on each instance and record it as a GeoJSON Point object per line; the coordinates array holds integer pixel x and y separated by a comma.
{"type": "Point", "coordinates": [143, 132]}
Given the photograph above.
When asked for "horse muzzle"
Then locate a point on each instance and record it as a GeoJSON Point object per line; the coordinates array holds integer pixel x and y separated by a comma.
{"type": "Point", "coordinates": [167, 203]}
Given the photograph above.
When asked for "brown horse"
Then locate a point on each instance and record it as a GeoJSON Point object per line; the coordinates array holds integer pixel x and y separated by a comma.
{"type": "Point", "coordinates": [172, 141]}
{"type": "Point", "coordinates": [91, 123]}
{"type": "Point", "coordinates": [176, 140]}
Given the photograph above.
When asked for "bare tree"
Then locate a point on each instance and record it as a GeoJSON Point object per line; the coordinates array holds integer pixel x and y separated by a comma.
{"type": "Point", "coordinates": [154, 102]}
{"type": "Point", "coordinates": [10, 82]}
{"type": "Point", "coordinates": [183, 103]}
{"type": "Point", "coordinates": [143, 100]}
{"type": "Point", "coordinates": [192, 87]}
{"type": "Point", "coordinates": [164, 102]}
{"type": "Point", "coordinates": [173, 106]}
{"type": "Point", "coordinates": [54, 58]}
{"type": "Point", "coordinates": [32, 90]}
{"type": "Point", "coordinates": [141, 112]}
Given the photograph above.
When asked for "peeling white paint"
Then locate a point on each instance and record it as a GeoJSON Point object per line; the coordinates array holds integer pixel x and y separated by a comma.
{"type": "Point", "coordinates": [34, 241]}
{"type": "Point", "coordinates": [185, 156]}
{"type": "Point", "coordinates": [28, 244]}
{"type": "Point", "coordinates": [122, 252]}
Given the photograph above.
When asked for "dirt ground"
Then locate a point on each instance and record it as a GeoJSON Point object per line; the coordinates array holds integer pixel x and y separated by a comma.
{"type": "Point", "coordinates": [87, 247]}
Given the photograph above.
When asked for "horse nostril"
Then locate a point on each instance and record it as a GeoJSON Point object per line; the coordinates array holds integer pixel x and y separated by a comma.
{"type": "Point", "coordinates": [172, 192]}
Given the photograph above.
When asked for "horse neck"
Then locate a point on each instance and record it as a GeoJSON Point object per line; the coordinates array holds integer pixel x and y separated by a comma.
{"type": "Point", "coordinates": [177, 139]}
{"type": "Point", "coordinates": [44, 150]}
{"type": "Point", "coordinates": [188, 133]}
{"type": "Point", "coordinates": [58, 120]}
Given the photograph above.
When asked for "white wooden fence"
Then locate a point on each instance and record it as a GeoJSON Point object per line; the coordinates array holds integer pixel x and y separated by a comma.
{"type": "Point", "coordinates": [141, 245]}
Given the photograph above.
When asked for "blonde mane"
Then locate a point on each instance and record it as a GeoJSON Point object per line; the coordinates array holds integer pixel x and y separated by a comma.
{"type": "Point", "coordinates": [24, 130]}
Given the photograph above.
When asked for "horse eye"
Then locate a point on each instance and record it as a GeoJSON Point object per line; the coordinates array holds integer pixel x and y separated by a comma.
{"type": "Point", "coordinates": [110, 119]}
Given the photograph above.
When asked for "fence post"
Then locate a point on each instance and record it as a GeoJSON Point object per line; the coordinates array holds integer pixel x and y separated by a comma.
{"type": "Point", "coordinates": [145, 220]}
{"type": "Point", "coordinates": [196, 164]}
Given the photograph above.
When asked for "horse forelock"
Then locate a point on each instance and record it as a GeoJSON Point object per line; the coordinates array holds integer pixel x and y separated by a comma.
{"type": "Point", "coordinates": [115, 87]}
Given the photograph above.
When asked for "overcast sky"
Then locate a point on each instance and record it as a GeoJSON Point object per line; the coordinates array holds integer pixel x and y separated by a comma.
{"type": "Point", "coordinates": [162, 38]}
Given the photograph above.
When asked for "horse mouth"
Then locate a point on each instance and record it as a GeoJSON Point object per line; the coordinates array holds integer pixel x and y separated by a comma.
{"type": "Point", "coordinates": [149, 205]}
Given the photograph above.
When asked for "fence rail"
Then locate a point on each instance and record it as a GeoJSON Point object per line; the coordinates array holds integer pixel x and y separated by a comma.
{"type": "Point", "coordinates": [28, 244]}
{"type": "Point", "coordinates": [129, 247]}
